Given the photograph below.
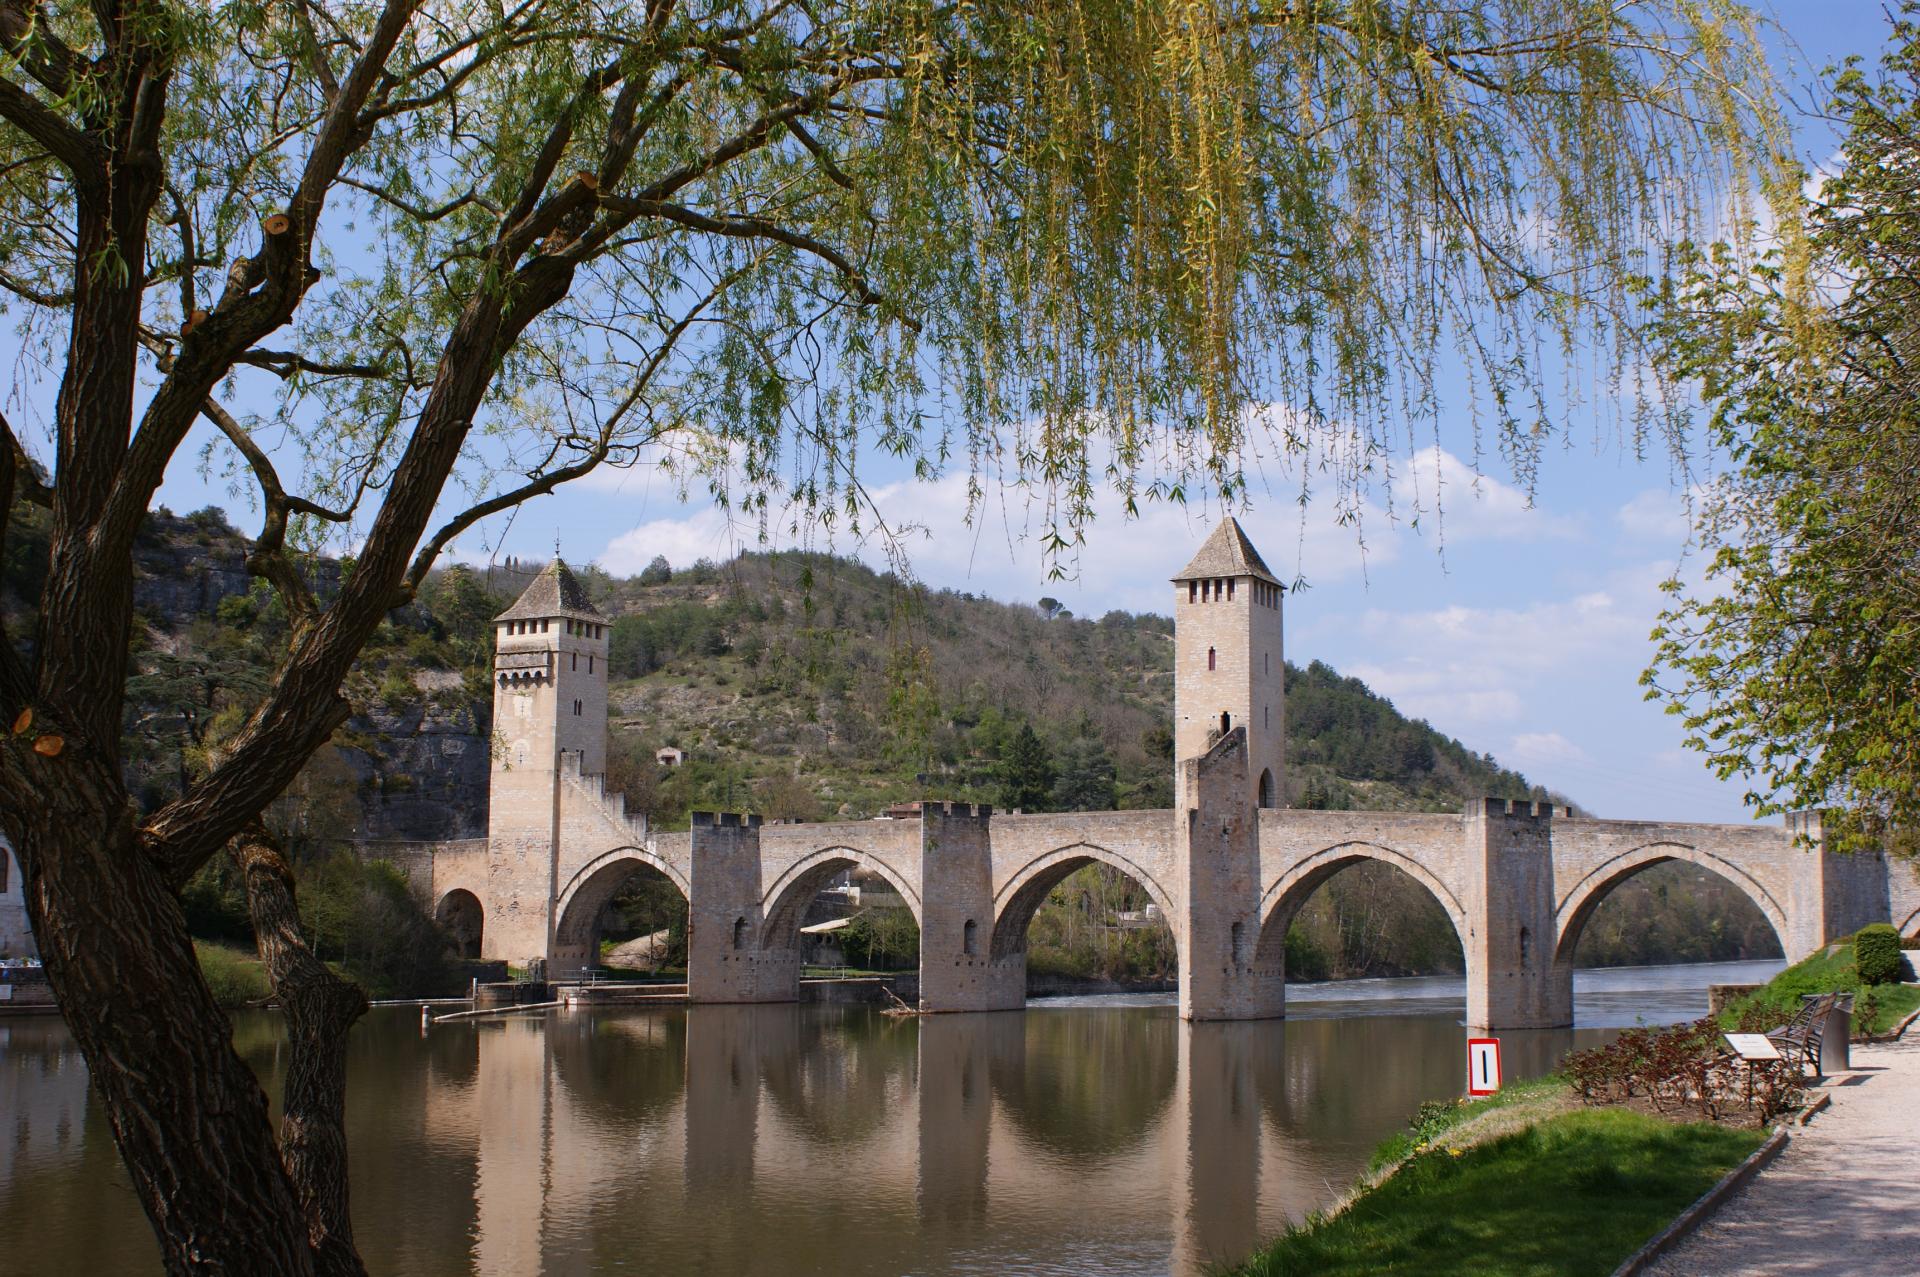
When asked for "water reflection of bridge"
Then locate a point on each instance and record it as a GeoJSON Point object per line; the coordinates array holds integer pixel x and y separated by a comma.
{"type": "Point", "coordinates": [787, 1139]}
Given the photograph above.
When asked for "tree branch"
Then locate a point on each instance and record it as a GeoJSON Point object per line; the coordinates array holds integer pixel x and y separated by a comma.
{"type": "Point", "coordinates": [262, 290]}
{"type": "Point", "coordinates": [27, 36]}
{"type": "Point", "coordinates": [320, 1007]}
{"type": "Point", "coordinates": [758, 228]}
{"type": "Point", "coordinates": [60, 139]}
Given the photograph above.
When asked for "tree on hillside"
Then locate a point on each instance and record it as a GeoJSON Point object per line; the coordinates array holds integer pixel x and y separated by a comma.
{"type": "Point", "coordinates": [415, 262]}
{"type": "Point", "coordinates": [1025, 772]}
{"type": "Point", "coordinates": [658, 572]}
{"type": "Point", "coordinates": [1085, 780]}
{"type": "Point", "coordinates": [1797, 667]}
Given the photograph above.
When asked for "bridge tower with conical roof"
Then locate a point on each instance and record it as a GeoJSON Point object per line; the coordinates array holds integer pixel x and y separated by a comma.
{"type": "Point", "coordinates": [1228, 666]}
{"type": "Point", "coordinates": [549, 717]}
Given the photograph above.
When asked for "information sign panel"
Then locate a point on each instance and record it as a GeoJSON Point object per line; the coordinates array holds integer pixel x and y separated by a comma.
{"type": "Point", "coordinates": [1753, 1046]}
{"type": "Point", "coordinates": [1483, 1066]}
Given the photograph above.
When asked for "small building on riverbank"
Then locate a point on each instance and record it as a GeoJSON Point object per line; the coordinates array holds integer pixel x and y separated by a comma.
{"type": "Point", "coordinates": [16, 937]}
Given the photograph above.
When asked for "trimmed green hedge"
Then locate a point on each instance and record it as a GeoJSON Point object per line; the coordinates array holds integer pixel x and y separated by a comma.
{"type": "Point", "coordinates": [1876, 954]}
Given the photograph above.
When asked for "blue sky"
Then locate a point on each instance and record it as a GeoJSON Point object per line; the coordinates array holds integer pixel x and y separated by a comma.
{"type": "Point", "coordinates": [1519, 627]}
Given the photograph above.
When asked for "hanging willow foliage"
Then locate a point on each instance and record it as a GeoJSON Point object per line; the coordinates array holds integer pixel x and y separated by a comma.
{"type": "Point", "coordinates": [1794, 661]}
{"type": "Point", "coordinates": [1063, 245]}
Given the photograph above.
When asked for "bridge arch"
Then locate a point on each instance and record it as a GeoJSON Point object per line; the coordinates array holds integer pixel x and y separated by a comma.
{"type": "Point", "coordinates": [462, 916]}
{"type": "Point", "coordinates": [787, 899]}
{"type": "Point", "coordinates": [1912, 923]}
{"type": "Point", "coordinates": [577, 912]}
{"type": "Point", "coordinates": [1281, 901]}
{"type": "Point", "coordinates": [1572, 912]}
{"type": "Point", "coordinates": [1019, 899]}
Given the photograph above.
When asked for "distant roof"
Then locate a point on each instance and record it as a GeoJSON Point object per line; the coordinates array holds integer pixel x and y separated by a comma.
{"type": "Point", "coordinates": [555, 592]}
{"type": "Point", "coordinates": [1227, 552]}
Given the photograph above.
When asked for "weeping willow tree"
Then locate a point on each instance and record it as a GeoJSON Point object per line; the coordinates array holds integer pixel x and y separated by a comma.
{"type": "Point", "coordinates": [414, 262]}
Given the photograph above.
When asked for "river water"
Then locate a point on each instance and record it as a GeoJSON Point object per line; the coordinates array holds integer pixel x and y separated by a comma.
{"type": "Point", "coordinates": [1085, 1135]}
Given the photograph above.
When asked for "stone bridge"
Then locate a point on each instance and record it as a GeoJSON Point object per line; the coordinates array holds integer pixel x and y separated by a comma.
{"type": "Point", "coordinates": [1228, 868]}
{"type": "Point", "coordinates": [1518, 881]}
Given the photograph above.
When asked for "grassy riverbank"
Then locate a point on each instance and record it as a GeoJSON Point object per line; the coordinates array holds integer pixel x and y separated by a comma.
{"type": "Point", "coordinates": [1518, 1185]}
{"type": "Point", "coordinates": [1876, 1008]}
{"type": "Point", "coordinates": [236, 976]}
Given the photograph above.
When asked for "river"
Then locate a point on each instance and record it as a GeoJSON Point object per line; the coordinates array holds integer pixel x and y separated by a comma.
{"type": "Point", "coordinates": [1086, 1135]}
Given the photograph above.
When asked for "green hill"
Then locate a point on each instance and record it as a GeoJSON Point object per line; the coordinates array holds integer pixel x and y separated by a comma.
{"type": "Point", "coordinates": [796, 677]}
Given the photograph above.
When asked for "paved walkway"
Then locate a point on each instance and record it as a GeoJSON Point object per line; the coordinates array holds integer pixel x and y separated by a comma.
{"type": "Point", "coordinates": [1844, 1198]}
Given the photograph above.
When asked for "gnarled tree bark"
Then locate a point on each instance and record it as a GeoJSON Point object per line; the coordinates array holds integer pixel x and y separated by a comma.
{"type": "Point", "coordinates": [320, 1007]}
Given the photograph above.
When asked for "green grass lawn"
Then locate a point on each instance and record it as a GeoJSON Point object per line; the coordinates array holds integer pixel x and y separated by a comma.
{"type": "Point", "coordinates": [1877, 1008]}
{"type": "Point", "coordinates": [1575, 1194]}
{"type": "Point", "coordinates": [236, 976]}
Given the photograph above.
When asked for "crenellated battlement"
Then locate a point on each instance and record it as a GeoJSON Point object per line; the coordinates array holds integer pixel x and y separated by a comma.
{"type": "Point", "coordinates": [957, 811]}
{"type": "Point", "coordinates": [612, 804]}
{"type": "Point", "coordinates": [1516, 809]}
{"type": "Point", "coordinates": [726, 820]}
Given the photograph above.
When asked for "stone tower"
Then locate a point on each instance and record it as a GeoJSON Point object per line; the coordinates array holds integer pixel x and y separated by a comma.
{"type": "Point", "coordinates": [549, 717]}
{"type": "Point", "coordinates": [1227, 666]}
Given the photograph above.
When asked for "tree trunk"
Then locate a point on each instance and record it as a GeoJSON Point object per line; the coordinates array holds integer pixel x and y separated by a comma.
{"type": "Point", "coordinates": [187, 1113]}
{"type": "Point", "coordinates": [320, 1008]}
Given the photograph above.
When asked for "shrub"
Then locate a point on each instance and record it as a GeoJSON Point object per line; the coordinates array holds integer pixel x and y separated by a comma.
{"type": "Point", "coordinates": [1679, 1066]}
{"type": "Point", "coordinates": [236, 978]}
{"type": "Point", "coordinates": [1876, 954]}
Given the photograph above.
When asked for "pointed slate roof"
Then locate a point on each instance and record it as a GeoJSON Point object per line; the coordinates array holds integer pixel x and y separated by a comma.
{"type": "Point", "coordinates": [1227, 552]}
{"type": "Point", "coordinates": [555, 592]}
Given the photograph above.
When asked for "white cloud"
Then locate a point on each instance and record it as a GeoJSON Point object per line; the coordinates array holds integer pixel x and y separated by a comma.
{"type": "Point", "coordinates": [1536, 750]}
{"type": "Point", "coordinates": [1125, 562]}
{"type": "Point", "coordinates": [1468, 669]}
{"type": "Point", "coordinates": [1443, 491]}
{"type": "Point", "coordinates": [1658, 514]}
{"type": "Point", "coordinates": [706, 533]}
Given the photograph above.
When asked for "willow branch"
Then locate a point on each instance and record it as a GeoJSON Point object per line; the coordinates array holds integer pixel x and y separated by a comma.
{"type": "Point", "coordinates": [758, 228]}
{"type": "Point", "coordinates": [262, 290]}
{"type": "Point", "coordinates": [26, 36]}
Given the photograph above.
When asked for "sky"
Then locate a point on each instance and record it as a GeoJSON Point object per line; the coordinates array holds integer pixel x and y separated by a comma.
{"type": "Point", "coordinates": [1518, 625]}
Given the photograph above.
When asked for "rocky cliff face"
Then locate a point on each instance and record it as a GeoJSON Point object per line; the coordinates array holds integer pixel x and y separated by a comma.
{"type": "Point", "coordinates": [184, 565]}
{"type": "Point", "coordinates": [421, 773]}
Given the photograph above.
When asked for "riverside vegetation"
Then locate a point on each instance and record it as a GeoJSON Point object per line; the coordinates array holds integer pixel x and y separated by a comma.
{"type": "Point", "coordinates": [1512, 1185]}
{"type": "Point", "coordinates": [802, 686]}
{"type": "Point", "coordinates": [1522, 1182]}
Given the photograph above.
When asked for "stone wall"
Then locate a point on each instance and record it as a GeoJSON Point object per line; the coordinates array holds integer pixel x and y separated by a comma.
{"type": "Point", "coordinates": [1903, 893]}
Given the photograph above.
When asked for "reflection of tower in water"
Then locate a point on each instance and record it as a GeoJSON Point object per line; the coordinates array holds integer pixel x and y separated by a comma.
{"type": "Point", "coordinates": [1216, 1189]}
{"type": "Point", "coordinates": [959, 1056]}
{"type": "Point", "coordinates": [793, 1139]}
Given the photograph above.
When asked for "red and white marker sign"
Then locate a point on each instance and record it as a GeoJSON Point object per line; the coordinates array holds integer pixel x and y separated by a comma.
{"type": "Point", "coordinates": [1483, 1066]}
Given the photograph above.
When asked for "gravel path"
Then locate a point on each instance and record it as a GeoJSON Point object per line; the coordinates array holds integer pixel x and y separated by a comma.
{"type": "Point", "coordinates": [1844, 1198]}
